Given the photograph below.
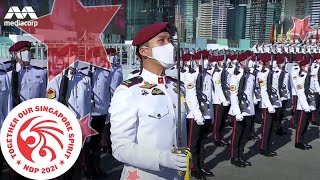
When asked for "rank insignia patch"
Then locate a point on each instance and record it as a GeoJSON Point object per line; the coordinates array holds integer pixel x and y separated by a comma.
{"type": "Point", "coordinates": [144, 92]}
{"type": "Point", "coordinates": [299, 86]}
{"type": "Point", "coordinates": [157, 91]}
{"type": "Point", "coordinates": [37, 76]}
{"type": "Point", "coordinates": [217, 82]}
{"type": "Point", "coordinates": [51, 93]}
{"type": "Point", "coordinates": [232, 88]}
{"type": "Point", "coordinates": [190, 85]}
{"type": "Point", "coordinates": [261, 83]}
{"type": "Point", "coordinates": [148, 85]}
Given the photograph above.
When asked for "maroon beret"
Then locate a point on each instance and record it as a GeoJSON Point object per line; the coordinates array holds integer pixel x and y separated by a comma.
{"type": "Point", "coordinates": [316, 56]}
{"type": "Point", "coordinates": [111, 51]}
{"type": "Point", "coordinates": [66, 49]}
{"type": "Point", "coordinates": [149, 32]}
{"type": "Point", "coordinates": [266, 58]}
{"type": "Point", "coordinates": [205, 54]}
{"type": "Point", "coordinates": [233, 57]}
{"type": "Point", "coordinates": [93, 52]}
{"type": "Point", "coordinates": [304, 62]}
{"type": "Point", "coordinates": [212, 59]}
{"type": "Point", "coordinates": [299, 57]}
{"type": "Point", "coordinates": [186, 57]}
{"type": "Point", "coordinates": [20, 45]}
{"type": "Point", "coordinates": [242, 57]}
{"type": "Point", "coordinates": [281, 58]}
{"type": "Point", "coordinates": [197, 55]}
{"type": "Point", "coordinates": [220, 58]}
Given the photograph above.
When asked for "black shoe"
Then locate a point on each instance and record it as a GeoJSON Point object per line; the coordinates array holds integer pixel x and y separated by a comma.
{"type": "Point", "coordinates": [198, 175]}
{"type": "Point", "coordinates": [308, 146]}
{"type": "Point", "coordinates": [265, 153]}
{"type": "Point", "coordinates": [273, 153]}
{"type": "Point", "coordinates": [253, 137]}
{"type": "Point", "coordinates": [281, 132]}
{"type": "Point", "coordinates": [207, 173]}
{"type": "Point", "coordinates": [237, 162]}
{"type": "Point", "coordinates": [247, 163]}
{"type": "Point", "coordinates": [315, 123]}
{"type": "Point", "coordinates": [225, 143]}
{"type": "Point", "coordinates": [300, 146]}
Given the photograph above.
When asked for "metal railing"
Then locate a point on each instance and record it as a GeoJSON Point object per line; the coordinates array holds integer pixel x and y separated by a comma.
{"type": "Point", "coordinates": [126, 52]}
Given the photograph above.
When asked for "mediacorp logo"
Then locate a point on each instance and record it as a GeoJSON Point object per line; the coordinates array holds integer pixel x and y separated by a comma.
{"type": "Point", "coordinates": [41, 139]}
{"type": "Point", "coordinates": [21, 15]}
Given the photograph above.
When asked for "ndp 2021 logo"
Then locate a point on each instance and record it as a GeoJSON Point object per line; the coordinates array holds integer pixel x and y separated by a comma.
{"type": "Point", "coordinates": [41, 138]}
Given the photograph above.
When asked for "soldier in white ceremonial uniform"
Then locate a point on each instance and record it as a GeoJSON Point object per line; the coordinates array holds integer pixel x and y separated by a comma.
{"type": "Point", "coordinates": [284, 91]}
{"type": "Point", "coordinates": [270, 104]}
{"type": "Point", "coordinates": [73, 90]}
{"type": "Point", "coordinates": [101, 97]}
{"type": "Point", "coordinates": [257, 93]}
{"type": "Point", "coordinates": [314, 84]}
{"type": "Point", "coordinates": [305, 104]}
{"type": "Point", "coordinates": [242, 110]}
{"type": "Point", "coordinates": [6, 104]}
{"type": "Point", "coordinates": [293, 78]}
{"type": "Point", "coordinates": [219, 102]}
{"type": "Point", "coordinates": [199, 115]}
{"type": "Point", "coordinates": [116, 79]}
{"type": "Point", "coordinates": [144, 112]}
{"type": "Point", "coordinates": [117, 75]}
{"type": "Point", "coordinates": [32, 79]}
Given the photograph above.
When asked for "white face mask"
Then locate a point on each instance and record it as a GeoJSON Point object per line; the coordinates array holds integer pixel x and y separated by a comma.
{"type": "Point", "coordinates": [165, 55]}
{"type": "Point", "coordinates": [25, 56]}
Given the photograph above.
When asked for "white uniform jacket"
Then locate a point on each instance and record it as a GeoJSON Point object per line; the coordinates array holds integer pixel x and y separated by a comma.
{"type": "Point", "coordinates": [218, 95]}
{"type": "Point", "coordinates": [262, 79]}
{"type": "Point", "coordinates": [249, 91]}
{"type": "Point", "coordinates": [302, 103]}
{"type": "Point", "coordinates": [144, 117]}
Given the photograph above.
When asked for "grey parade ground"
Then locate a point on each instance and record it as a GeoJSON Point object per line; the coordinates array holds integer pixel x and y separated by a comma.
{"type": "Point", "coordinates": [218, 114]}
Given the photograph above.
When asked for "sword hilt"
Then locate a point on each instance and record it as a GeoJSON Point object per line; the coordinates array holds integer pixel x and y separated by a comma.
{"type": "Point", "coordinates": [186, 151]}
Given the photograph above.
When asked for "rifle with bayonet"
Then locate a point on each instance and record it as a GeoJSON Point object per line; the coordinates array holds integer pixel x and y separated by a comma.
{"type": "Point", "coordinates": [242, 97]}
{"type": "Point", "coordinates": [272, 92]}
{"type": "Point", "coordinates": [90, 74]}
{"type": "Point", "coordinates": [202, 98]}
{"type": "Point", "coordinates": [224, 77]}
{"type": "Point", "coordinates": [282, 86]}
{"type": "Point", "coordinates": [64, 87]}
{"type": "Point", "coordinates": [15, 82]}
{"type": "Point", "coordinates": [310, 94]}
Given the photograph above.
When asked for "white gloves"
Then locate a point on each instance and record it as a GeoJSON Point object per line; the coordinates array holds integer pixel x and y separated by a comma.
{"type": "Point", "coordinates": [271, 110]}
{"type": "Point", "coordinates": [225, 103]}
{"type": "Point", "coordinates": [173, 161]}
{"type": "Point", "coordinates": [200, 121]}
{"type": "Point", "coordinates": [307, 110]}
{"type": "Point", "coordinates": [239, 117]}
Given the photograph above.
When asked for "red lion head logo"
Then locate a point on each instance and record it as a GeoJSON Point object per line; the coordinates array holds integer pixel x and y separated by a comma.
{"type": "Point", "coordinates": [39, 139]}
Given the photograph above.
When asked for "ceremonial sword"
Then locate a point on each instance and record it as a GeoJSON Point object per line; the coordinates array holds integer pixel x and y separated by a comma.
{"type": "Point", "coordinates": [180, 149]}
